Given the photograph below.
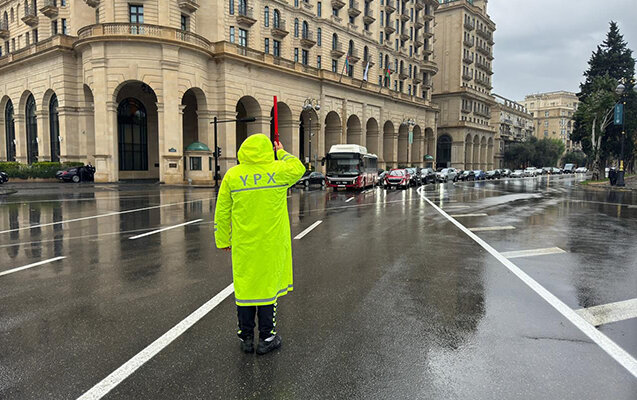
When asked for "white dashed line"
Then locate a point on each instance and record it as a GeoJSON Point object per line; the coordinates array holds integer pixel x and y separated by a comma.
{"type": "Point", "coordinates": [469, 215]}
{"type": "Point", "coordinates": [350, 199]}
{"type": "Point", "coordinates": [532, 252]}
{"type": "Point", "coordinates": [604, 342]}
{"type": "Point", "coordinates": [607, 313]}
{"type": "Point", "coordinates": [308, 230]}
{"type": "Point", "coordinates": [492, 228]}
{"type": "Point", "coordinates": [50, 260]}
{"type": "Point", "coordinates": [164, 229]}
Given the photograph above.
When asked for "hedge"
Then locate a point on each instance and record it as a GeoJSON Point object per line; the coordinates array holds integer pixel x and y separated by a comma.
{"type": "Point", "coordinates": [36, 170]}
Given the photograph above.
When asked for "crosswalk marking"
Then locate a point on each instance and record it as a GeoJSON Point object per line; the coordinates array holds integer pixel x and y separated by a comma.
{"type": "Point", "coordinates": [468, 215]}
{"type": "Point", "coordinates": [607, 313]}
{"type": "Point", "coordinates": [491, 228]}
{"type": "Point", "coordinates": [532, 252]}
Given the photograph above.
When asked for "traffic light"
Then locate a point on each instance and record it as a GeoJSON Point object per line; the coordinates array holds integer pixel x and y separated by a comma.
{"type": "Point", "coordinates": [218, 152]}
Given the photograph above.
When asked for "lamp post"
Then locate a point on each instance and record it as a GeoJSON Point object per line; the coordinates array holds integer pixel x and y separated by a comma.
{"type": "Point", "coordinates": [308, 105]}
{"type": "Point", "coordinates": [410, 123]}
{"type": "Point", "coordinates": [622, 91]}
{"type": "Point", "coordinates": [217, 151]}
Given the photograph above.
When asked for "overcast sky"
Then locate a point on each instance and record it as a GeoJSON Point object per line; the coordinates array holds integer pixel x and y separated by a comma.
{"type": "Point", "coordinates": [545, 45]}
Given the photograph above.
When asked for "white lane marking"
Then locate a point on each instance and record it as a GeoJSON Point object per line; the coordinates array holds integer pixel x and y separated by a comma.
{"type": "Point", "coordinates": [454, 207]}
{"type": "Point", "coordinates": [164, 229]}
{"type": "Point", "coordinates": [116, 377]}
{"type": "Point", "coordinates": [492, 228]}
{"type": "Point", "coordinates": [532, 252]}
{"type": "Point", "coordinates": [308, 230]}
{"type": "Point", "coordinates": [102, 215]}
{"type": "Point", "coordinates": [604, 342]}
{"type": "Point", "coordinates": [350, 199]}
{"type": "Point", "coordinates": [469, 215]}
{"type": "Point", "coordinates": [607, 313]}
{"type": "Point", "coordinates": [50, 260]}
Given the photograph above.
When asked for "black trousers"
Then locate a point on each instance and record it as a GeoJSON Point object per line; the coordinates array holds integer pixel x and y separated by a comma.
{"type": "Point", "coordinates": [267, 321]}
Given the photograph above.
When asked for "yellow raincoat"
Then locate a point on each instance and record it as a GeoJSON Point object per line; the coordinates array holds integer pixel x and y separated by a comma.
{"type": "Point", "coordinates": [251, 215]}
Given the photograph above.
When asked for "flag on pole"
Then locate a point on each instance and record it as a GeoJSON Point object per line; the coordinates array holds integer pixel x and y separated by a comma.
{"type": "Point", "coordinates": [345, 66]}
{"type": "Point", "coordinates": [366, 71]}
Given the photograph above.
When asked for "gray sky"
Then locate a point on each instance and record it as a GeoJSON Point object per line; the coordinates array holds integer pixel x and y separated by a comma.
{"type": "Point", "coordinates": [545, 45]}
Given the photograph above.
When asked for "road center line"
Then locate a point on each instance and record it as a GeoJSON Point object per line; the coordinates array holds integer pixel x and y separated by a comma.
{"type": "Point", "coordinates": [469, 215]}
{"type": "Point", "coordinates": [116, 377]}
{"type": "Point", "coordinates": [164, 229]}
{"type": "Point", "coordinates": [604, 342]}
{"type": "Point", "coordinates": [102, 215]}
{"type": "Point", "coordinates": [50, 260]}
{"type": "Point", "coordinates": [492, 228]}
{"type": "Point", "coordinates": [532, 252]}
{"type": "Point", "coordinates": [607, 313]}
{"type": "Point", "coordinates": [308, 230]}
{"type": "Point", "coordinates": [350, 199]}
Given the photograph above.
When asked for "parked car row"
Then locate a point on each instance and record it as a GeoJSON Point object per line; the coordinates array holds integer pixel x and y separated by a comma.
{"type": "Point", "coordinates": [3, 177]}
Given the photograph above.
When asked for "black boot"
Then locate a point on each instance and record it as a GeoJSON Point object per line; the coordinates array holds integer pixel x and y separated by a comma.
{"type": "Point", "coordinates": [247, 345]}
{"type": "Point", "coordinates": [269, 344]}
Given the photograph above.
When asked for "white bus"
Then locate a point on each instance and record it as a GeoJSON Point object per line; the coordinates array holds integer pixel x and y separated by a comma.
{"type": "Point", "coordinates": [350, 166]}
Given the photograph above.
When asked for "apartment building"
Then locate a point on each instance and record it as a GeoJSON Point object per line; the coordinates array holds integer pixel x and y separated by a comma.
{"type": "Point", "coordinates": [129, 85]}
{"type": "Point", "coordinates": [553, 115]}
{"type": "Point", "coordinates": [462, 87]}
{"type": "Point", "coordinates": [513, 123]}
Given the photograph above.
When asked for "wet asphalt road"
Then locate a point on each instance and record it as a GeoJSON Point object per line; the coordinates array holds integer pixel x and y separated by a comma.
{"type": "Point", "coordinates": [391, 300]}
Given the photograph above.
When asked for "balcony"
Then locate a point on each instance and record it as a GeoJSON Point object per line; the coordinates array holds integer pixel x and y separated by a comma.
{"type": "Point", "coordinates": [418, 24]}
{"type": "Point", "coordinates": [354, 9]}
{"type": "Point", "coordinates": [279, 30]}
{"type": "Point", "coordinates": [389, 6]}
{"type": "Point", "coordinates": [419, 4]}
{"type": "Point", "coordinates": [368, 17]}
{"type": "Point", "coordinates": [427, 34]}
{"type": "Point", "coordinates": [483, 82]}
{"type": "Point", "coordinates": [338, 4]}
{"type": "Point", "coordinates": [469, 42]}
{"type": "Point", "coordinates": [389, 29]}
{"type": "Point", "coordinates": [467, 59]}
{"type": "Point", "coordinates": [470, 25]}
{"type": "Point", "coordinates": [483, 66]}
{"type": "Point", "coordinates": [427, 51]}
{"type": "Point", "coordinates": [50, 8]}
{"type": "Point", "coordinates": [402, 74]}
{"type": "Point", "coordinates": [92, 3]}
{"type": "Point", "coordinates": [4, 30]}
{"type": "Point", "coordinates": [30, 16]}
{"type": "Point", "coordinates": [245, 16]}
{"type": "Point", "coordinates": [353, 57]}
{"type": "Point", "coordinates": [467, 76]}
{"type": "Point", "coordinates": [189, 5]}
{"type": "Point", "coordinates": [483, 49]}
{"type": "Point", "coordinates": [404, 36]}
{"type": "Point", "coordinates": [483, 33]}
{"type": "Point", "coordinates": [466, 108]}
{"type": "Point", "coordinates": [404, 16]}
{"type": "Point", "coordinates": [418, 42]}
{"type": "Point", "coordinates": [337, 50]}
{"type": "Point", "coordinates": [417, 80]}
{"type": "Point", "coordinates": [307, 39]}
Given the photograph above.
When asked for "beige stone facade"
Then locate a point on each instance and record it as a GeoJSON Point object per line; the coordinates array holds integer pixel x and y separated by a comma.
{"type": "Point", "coordinates": [513, 123]}
{"type": "Point", "coordinates": [462, 87]}
{"type": "Point", "coordinates": [553, 115]}
{"type": "Point", "coordinates": [128, 85]}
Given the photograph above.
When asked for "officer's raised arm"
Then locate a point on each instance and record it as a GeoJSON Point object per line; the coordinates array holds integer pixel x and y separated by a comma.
{"type": "Point", "coordinates": [292, 168]}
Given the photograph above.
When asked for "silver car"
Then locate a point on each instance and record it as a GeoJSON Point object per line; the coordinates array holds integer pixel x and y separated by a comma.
{"type": "Point", "coordinates": [447, 175]}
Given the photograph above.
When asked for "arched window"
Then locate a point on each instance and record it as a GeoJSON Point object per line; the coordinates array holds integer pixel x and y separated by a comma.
{"type": "Point", "coordinates": [296, 27]}
{"type": "Point", "coordinates": [54, 129]}
{"type": "Point", "coordinates": [350, 48]}
{"type": "Point", "coordinates": [402, 65]}
{"type": "Point", "coordinates": [380, 60]}
{"type": "Point", "coordinates": [9, 130]}
{"type": "Point", "coordinates": [318, 37]}
{"type": "Point", "coordinates": [32, 131]}
{"type": "Point", "coordinates": [132, 132]}
{"type": "Point", "coordinates": [365, 53]}
{"type": "Point", "coordinates": [243, 7]}
{"type": "Point", "coordinates": [306, 30]}
{"type": "Point", "coordinates": [5, 19]}
{"type": "Point", "coordinates": [276, 18]}
{"type": "Point", "coordinates": [334, 41]}
{"type": "Point", "coordinates": [266, 16]}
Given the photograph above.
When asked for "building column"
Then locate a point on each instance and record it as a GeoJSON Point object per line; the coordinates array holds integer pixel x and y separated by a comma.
{"type": "Point", "coordinates": [3, 142]}
{"type": "Point", "coordinates": [43, 137]}
{"type": "Point", "coordinates": [457, 154]}
{"type": "Point", "coordinates": [205, 128]}
{"type": "Point", "coordinates": [226, 138]}
{"type": "Point", "coordinates": [69, 141]}
{"type": "Point", "coordinates": [483, 157]}
{"type": "Point", "coordinates": [469, 160]}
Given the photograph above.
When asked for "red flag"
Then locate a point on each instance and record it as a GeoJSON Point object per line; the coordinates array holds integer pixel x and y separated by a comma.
{"type": "Point", "coordinates": [276, 120]}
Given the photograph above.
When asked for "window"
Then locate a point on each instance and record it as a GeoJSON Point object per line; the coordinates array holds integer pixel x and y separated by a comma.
{"type": "Point", "coordinates": [335, 12]}
{"type": "Point", "coordinates": [32, 130]}
{"type": "Point", "coordinates": [185, 22]}
{"type": "Point", "coordinates": [9, 131]}
{"type": "Point", "coordinates": [334, 66]}
{"type": "Point", "coordinates": [6, 47]}
{"type": "Point", "coordinates": [54, 27]}
{"type": "Point", "coordinates": [296, 54]}
{"type": "Point", "coordinates": [195, 163]}
{"type": "Point", "coordinates": [243, 37]}
{"type": "Point", "coordinates": [306, 30]}
{"type": "Point", "coordinates": [352, 19]}
{"type": "Point", "coordinates": [13, 44]}
{"type": "Point", "coordinates": [296, 3]}
{"type": "Point", "coordinates": [396, 44]}
{"type": "Point", "coordinates": [382, 20]}
{"type": "Point", "coordinates": [334, 41]}
{"type": "Point", "coordinates": [380, 60]}
{"type": "Point", "coordinates": [546, 113]}
{"type": "Point", "coordinates": [319, 9]}
{"type": "Point", "coordinates": [54, 129]}
{"type": "Point", "coordinates": [304, 57]}
{"type": "Point", "coordinates": [266, 16]}
{"type": "Point", "coordinates": [231, 7]}
{"type": "Point", "coordinates": [243, 7]}
{"type": "Point", "coordinates": [136, 14]}
{"type": "Point", "coordinates": [318, 62]}
{"type": "Point", "coordinates": [232, 34]}
{"type": "Point", "coordinates": [63, 3]}
{"type": "Point", "coordinates": [277, 48]}
{"type": "Point", "coordinates": [276, 18]}
{"type": "Point", "coordinates": [381, 38]}
{"type": "Point", "coordinates": [296, 27]}
{"type": "Point", "coordinates": [266, 46]}
{"type": "Point", "coordinates": [97, 15]}
{"type": "Point", "coordinates": [318, 37]}
{"type": "Point", "coordinates": [546, 124]}
{"type": "Point", "coordinates": [12, 15]}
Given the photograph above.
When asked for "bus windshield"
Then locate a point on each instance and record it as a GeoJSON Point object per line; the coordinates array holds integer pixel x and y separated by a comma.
{"type": "Point", "coordinates": [343, 165]}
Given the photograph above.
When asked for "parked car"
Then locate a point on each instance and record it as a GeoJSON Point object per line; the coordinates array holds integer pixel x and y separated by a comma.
{"type": "Point", "coordinates": [581, 170]}
{"type": "Point", "coordinates": [312, 178]}
{"type": "Point", "coordinates": [85, 173]}
{"type": "Point", "coordinates": [381, 178]}
{"type": "Point", "coordinates": [518, 173]}
{"type": "Point", "coordinates": [569, 168]}
{"type": "Point", "coordinates": [428, 175]}
{"type": "Point", "coordinates": [447, 175]}
{"type": "Point", "coordinates": [506, 172]}
{"type": "Point", "coordinates": [3, 177]}
{"type": "Point", "coordinates": [397, 178]}
{"type": "Point", "coordinates": [556, 171]}
{"type": "Point", "coordinates": [494, 174]}
{"type": "Point", "coordinates": [547, 170]}
{"type": "Point", "coordinates": [467, 176]}
{"type": "Point", "coordinates": [479, 174]}
{"type": "Point", "coordinates": [530, 171]}
{"type": "Point", "coordinates": [414, 176]}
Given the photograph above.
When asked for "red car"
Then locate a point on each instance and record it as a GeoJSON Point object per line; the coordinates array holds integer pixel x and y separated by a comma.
{"type": "Point", "coordinates": [397, 178]}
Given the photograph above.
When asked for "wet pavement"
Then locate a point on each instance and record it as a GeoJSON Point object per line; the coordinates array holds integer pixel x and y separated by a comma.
{"type": "Point", "coordinates": [391, 299]}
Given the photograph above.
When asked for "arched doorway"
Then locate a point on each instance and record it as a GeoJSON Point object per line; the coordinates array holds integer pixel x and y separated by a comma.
{"type": "Point", "coordinates": [430, 142]}
{"type": "Point", "coordinates": [388, 145]}
{"type": "Point", "coordinates": [190, 120]}
{"type": "Point", "coordinates": [309, 128]}
{"type": "Point", "coordinates": [9, 131]}
{"type": "Point", "coordinates": [467, 152]}
{"type": "Point", "coordinates": [403, 145]}
{"type": "Point", "coordinates": [247, 107]}
{"type": "Point", "coordinates": [354, 132]}
{"type": "Point", "coordinates": [332, 130]}
{"type": "Point", "coordinates": [54, 128]}
{"type": "Point", "coordinates": [32, 130]}
{"type": "Point", "coordinates": [443, 151]}
{"type": "Point", "coordinates": [371, 133]}
{"type": "Point", "coordinates": [417, 147]}
{"type": "Point", "coordinates": [475, 162]}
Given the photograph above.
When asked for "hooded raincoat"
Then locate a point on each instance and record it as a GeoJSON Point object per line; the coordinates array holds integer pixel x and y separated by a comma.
{"type": "Point", "coordinates": [251, 215]}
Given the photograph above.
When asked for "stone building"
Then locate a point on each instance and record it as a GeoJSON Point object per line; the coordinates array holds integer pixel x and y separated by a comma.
{"type": "Point", "coordinates": [462, 87]}
{"type": "Point", "coordinates": [553, 115]}
{"type": "Point", "coordinates": [129, 85]}
{"type": "Point", "coordinates": [513, 123]}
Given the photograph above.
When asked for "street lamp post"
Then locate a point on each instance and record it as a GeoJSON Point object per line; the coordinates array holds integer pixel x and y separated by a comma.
{"type": "Point", "coordinates": [217, 152]}
{"type": "Point", "coordinates": [410, 123]}
{"type": "Point", "coordinates": [622, 91]}
{"type": "Point", "coordinates": [309, 105]}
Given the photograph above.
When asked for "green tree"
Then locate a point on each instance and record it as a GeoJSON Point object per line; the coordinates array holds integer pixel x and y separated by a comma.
{"type": "Point", "coordinates": [575, 157]}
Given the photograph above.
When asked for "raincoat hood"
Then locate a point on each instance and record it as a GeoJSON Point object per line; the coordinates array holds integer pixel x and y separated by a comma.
{"type": "Point", "coordinates": [256, 149]}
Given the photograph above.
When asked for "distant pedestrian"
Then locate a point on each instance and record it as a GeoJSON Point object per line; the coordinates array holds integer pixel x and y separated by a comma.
{"type": "Point", "coordinates": [251, 221]}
